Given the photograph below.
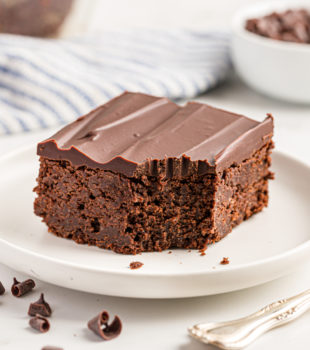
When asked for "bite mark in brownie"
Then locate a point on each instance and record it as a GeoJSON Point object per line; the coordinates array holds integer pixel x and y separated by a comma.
{"type": "Point", "coordinates": [143, 174]}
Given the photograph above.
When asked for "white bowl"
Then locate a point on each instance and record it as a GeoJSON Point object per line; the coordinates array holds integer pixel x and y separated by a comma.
{"type": "Point", "coordinates": [275, 68]}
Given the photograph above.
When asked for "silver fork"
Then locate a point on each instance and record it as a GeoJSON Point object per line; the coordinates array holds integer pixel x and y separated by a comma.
{"type": "Point", "coordinates": [237, 334]}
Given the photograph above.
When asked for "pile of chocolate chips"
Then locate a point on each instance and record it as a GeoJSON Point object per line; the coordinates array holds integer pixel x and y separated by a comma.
{"type": "Point", "coordinates": [291, 25]}
{"type": "Point", "coordinates": [40, 309]}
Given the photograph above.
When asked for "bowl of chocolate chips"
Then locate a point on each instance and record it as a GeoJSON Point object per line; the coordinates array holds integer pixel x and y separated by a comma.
{"type": "Point", "coordinates": [271, 48]}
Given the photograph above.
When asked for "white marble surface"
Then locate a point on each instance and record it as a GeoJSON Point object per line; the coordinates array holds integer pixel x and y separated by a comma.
{"type": "Point", "coordinates": [161, 324]}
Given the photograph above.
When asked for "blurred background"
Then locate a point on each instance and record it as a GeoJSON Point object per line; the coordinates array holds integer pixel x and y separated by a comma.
{"type": "Point", "coordinates": [42, 17]}
{"type": "Point", "coordinates": [95, 15]}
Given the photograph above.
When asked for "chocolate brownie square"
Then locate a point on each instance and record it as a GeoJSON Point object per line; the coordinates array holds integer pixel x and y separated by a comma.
{"type": "Point", "coordinates": [142, 173]}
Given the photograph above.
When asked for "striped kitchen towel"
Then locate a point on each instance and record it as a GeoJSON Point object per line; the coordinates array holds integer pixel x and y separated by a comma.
{"type": "Point", "coordinates": [49, 82]}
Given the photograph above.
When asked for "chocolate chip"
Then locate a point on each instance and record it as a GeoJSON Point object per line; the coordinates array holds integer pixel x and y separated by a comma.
{"type": "Point", "coordinates": [39, 323]}
{"type": "Point", "coordinates": [21, 288]}
{"type": "Point", "coordinates": [51, 348]}
{"type": "Point", "coordinates": [135, 265]}
{"type": "Point", "coordinates": [2, 289]}
{"type": "Point", "coordinates": [291, 25]}
{"type": "Point", "coordinates": [40, 307]}
{"type": "Point", "coordinates": [108, 332]}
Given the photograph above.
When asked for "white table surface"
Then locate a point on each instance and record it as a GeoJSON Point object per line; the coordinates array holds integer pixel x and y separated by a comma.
{"type": "Point", "coordinates": [161, 324]}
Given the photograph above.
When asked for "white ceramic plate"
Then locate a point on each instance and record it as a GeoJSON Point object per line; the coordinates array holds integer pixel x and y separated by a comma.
{"type": "Point", "coordinates": [269, 245]}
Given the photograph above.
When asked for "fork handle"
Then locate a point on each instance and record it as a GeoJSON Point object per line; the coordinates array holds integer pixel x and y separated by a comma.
{"type": "Point", "coordinates": [237, 334]}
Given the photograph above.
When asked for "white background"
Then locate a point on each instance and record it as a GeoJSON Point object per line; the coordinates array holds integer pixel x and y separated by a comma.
{"type": "Point", "coordinates": [161, 324]}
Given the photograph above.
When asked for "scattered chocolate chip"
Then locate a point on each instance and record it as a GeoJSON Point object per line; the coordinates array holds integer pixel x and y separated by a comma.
{"type": "Point", "coordinates": [2, 289]}
{"type": "Point", "coordinates": [39, 323]}
{"type": "Point", "coordinates": [225, 261]}
{"type": "Point", "coordinates": [135, 265]}
{"type": "Point", "coordinates": [20, 288]}
{"type": "Point", "coordinates": [40, 307]}
{"type": "Point", "coordinates": [51, 348]}
{"type": "Point", "coordinates": [108, 332]}
{"type": "Point", "coordinates": [169, 252]}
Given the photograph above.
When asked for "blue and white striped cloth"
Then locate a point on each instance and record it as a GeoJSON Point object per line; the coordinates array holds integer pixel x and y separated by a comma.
{"type": "Point", "coordinates": [49, 82]}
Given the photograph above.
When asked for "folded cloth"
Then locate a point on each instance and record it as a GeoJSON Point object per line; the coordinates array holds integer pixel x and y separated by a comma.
{"type": "Point", "coordinates": [49, 82]}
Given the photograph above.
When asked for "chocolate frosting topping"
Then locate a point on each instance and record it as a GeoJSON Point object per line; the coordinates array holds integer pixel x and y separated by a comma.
{"type": "Point", "coordinates": [135, 129]}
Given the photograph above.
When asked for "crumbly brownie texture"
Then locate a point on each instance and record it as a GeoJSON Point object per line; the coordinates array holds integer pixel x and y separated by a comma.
{"type": "Point", "coordinates": [186, 177]}
{"type": "Point", "coordinates": [131, 215]}
{"type": "Point", "coordinates": [291, 25]}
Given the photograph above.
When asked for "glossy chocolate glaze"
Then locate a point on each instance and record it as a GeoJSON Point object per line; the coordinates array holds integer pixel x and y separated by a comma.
{"type": "Point", "coordinates": [135, 130]}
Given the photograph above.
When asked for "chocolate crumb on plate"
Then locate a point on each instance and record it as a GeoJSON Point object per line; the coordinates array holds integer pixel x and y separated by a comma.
{"type": "Point", "coordinates": [39, 323]}
{"type": "Point", "coordinates": [108, 332]}
{"type": "Point", "coordinates": [21, 288]}
{"type": "Point", "coordinates": [51, 348]}
{"type": "Point", "coordinates": [2, 289]}
{"type": "Point", "coordinates": [40, 307]}
{"type": "Point", "coordinates": [225, 261]}
{"type": "Point", "coordinates": [169, 252]}
{"type": "Point", "coordinates": [202, 251]}
{"type": "Point", "coordinates": [135, 265]}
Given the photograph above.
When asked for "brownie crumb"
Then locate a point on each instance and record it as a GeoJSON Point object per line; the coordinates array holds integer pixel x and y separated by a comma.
{"type": "Point", "coordinates": [109, 331]}
{"type": "Point", "coordinates": [2, 289]}
{"type": "Point", "coordinates": [39, 323]}
{"type": "Point", "coordinates": [51, 348]}
{"type": "Point", "coordinates": [19, 289]}
{"type": "Point", "coordinates": [225, 261]}
{"type": "Point", "coordinates": [40, 307]}
{"type": "Point", "coordinates": [135, 265]}
{"type": "Point", "coordinates": [169, 252]}
{"type": "Point", "coordinates": [202, 251]}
